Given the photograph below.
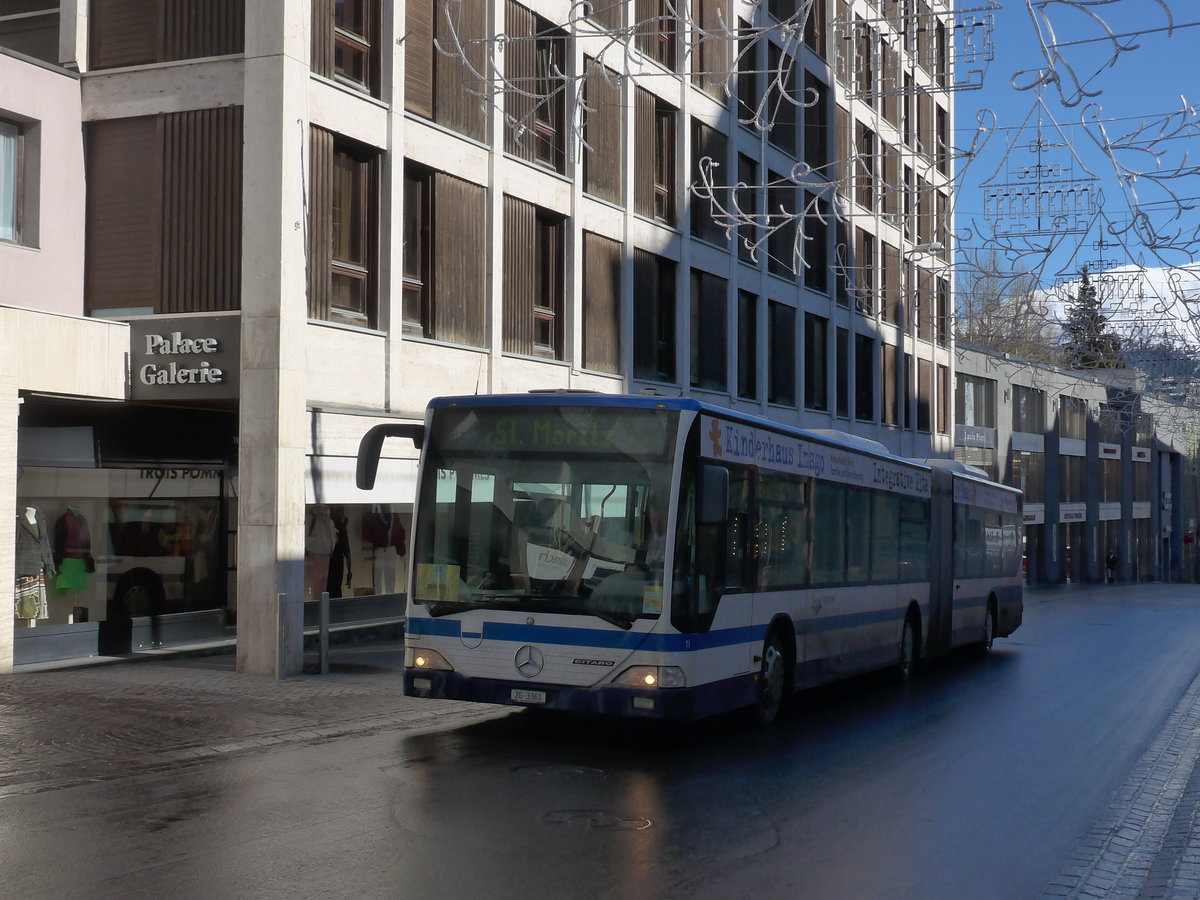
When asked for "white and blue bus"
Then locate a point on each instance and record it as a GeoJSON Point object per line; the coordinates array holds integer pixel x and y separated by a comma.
{"type": "Point", "coordinates": [644, 556]}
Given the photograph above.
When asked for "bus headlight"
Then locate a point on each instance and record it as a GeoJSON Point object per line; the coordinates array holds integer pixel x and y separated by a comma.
{"type": "Point", "coordinates": [652, 677]}
{"type": "Point", "coordinates": [429, 660]}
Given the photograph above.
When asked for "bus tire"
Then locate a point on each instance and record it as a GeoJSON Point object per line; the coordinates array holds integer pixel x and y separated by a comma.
{"type": "Point", "coordinates": [773, 678]}
{"type": "Point", "coordinates": [909, 647]}
{"type": "Point", "coordinates": [984, 647]}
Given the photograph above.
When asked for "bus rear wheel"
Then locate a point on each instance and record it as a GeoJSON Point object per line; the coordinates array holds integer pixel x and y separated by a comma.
{"type": "Point", "coordinates": [772, 679]}
{"type": "Point", "coordinates": [984, 647]}
{"type": "Point", "coordinates": [907, 662]}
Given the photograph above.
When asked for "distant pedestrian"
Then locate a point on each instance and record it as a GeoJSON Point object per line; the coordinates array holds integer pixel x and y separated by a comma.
{"type": "Point", "coordinates": [1110, 563]}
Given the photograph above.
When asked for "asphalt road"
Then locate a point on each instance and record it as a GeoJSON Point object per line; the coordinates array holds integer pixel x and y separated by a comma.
{"type": "Point", "coordinates": [975, 781]}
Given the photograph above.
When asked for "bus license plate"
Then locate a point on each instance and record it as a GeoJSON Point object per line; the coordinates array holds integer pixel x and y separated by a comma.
{"type": "Point", "coordinates": [522, 696]}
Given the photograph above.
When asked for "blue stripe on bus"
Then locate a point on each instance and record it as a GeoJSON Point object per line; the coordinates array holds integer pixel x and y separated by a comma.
{"type": "Point", "coordinates": [637, 640]}
{"type": "Point", "coordinates": [589, 637]}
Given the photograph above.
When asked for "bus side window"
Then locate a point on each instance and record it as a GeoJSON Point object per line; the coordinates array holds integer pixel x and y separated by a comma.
{"type": "Point", "coordinates": [828, 533]}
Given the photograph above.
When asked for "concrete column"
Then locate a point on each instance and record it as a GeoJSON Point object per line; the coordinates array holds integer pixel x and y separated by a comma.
{"type": "Point", "coordinates": [8, 492]}
{"type": "Point", "coordinates": [73, 34]}
{"type": "Point", "coordinates": [272, 437]}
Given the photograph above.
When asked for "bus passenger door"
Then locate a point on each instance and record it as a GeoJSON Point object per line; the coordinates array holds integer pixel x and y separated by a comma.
{"type": "Point", "coordinates": [722, 563]}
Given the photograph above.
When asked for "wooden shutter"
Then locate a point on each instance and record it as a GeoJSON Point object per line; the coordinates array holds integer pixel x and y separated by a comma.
{"type": "Point", "coordinates": [459, 239]}
{"type": "Point", "coordinates": [520, 66]}
{"type": "Point", "coordinates": [212, 28]}
{"type": "Point", "coordinates": [520, 275]}
{"type": "Point", "coordinates": [604, 134]}
{"type": "Point", "coordinates": [418, 56]}
{"type": "Point", "coordinates": [202, 210]}
{"type": "Point", "coordinates": [124, 32]}
{"type": "Point", "coordinates": [645, 125]}
{"type": "Point", "coordinates": [601, 303]}
{"type": "Point", "coordinates": [124, 213]}
{"type": "Point", "coordinates": [320, 223]}
{"type": "Point", "coordinates": [456, 105]}
{"type": "Point", "coordinates": [322, 36]}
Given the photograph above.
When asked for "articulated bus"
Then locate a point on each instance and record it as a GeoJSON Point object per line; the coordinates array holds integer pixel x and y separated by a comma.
{"type": "Point", "coordinates": [654, 557]}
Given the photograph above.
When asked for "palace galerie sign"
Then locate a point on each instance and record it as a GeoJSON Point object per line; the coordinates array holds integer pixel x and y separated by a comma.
{"type": "Point", "coordinates": [184, 358]}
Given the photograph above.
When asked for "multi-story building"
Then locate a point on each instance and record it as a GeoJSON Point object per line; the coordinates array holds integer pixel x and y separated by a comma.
{"type": "Point", "coordinates": [1103, 465]}
{"type": "Point", "coordinates": [313, 216]}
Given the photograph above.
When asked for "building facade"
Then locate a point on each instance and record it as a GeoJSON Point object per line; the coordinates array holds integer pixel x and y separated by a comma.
{"type": "Point", "coordinates": [1108, 470]}
{"type": "Point", "coordinates": [311, 217]}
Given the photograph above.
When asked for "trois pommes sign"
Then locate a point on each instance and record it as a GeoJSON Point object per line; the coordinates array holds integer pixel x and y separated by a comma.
{"type": "Point", "coordinates": [184, 358]}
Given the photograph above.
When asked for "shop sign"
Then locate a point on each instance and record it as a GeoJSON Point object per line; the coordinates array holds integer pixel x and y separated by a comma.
{"type": "Point", "coordinates": [974, 436]}
{"type": "Point", "coordinates": [185, 358]}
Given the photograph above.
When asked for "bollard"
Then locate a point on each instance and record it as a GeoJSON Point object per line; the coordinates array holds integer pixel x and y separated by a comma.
{"type": "Point", "coordinates": [281, 646]}
{"type": "Point", "coordinates": [323, 633]}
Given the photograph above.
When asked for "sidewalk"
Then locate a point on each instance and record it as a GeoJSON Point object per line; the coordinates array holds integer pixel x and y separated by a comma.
{"type": "Point", "coordinates": [100, 722]}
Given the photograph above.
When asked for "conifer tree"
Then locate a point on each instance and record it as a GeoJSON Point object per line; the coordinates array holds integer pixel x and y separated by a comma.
{"type": "Point", "coordinates": [1087, 342]}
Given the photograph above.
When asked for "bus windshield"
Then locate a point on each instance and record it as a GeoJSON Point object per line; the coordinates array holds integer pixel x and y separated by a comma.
{"type": "Point", "coordinates": [550, 509]}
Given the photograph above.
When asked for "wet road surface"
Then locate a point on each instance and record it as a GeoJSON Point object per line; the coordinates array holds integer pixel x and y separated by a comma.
{"type": "Point", "coordinates": [976, 780]}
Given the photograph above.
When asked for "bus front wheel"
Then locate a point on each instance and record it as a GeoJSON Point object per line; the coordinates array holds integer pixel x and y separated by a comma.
{"type": "Point", "coordinates": [772, 679]}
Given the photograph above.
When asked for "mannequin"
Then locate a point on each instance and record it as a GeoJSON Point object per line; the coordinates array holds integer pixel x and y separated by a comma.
{"type": "Point", "coordinates": [320, 537]}
{"type": "Point", "coordinates": [383, 531]}
{"type": "Point", "coordinates": [73, 551]}
{"type": "Point", "coordinates": [34, 563]}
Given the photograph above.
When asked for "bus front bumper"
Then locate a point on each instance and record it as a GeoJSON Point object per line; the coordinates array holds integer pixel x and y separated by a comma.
{"type": "Point", "coordinates": [672, 704]}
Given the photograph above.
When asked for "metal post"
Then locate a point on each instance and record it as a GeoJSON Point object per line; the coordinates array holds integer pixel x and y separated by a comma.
{"type": "Point", "coordinates": [323, 633]}
{"type": "Point", "coordinates": [281, 645]}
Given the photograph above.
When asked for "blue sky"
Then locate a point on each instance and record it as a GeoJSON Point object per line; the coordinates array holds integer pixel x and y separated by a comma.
{"type": "Point", "coordinates": [1135, 87]}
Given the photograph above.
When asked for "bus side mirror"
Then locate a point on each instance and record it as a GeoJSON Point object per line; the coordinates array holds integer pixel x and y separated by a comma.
{"type": "Point", "coordinates": [371, 446]}
{"type": "Point", "coordinates": [712, 489]}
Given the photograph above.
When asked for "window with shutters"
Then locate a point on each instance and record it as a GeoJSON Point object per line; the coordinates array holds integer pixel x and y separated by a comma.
{"type": "Point", "coordinates": [864, 377]}
{"type": "Point", "coordinates": [747, 200]}
{"type": "Point", "coordinates": [889, 384]}
{"type": "Point", "coordinates": [653, 317]}
{"type": "Point", "coordinates": [747, 346]}
{"type": "Point", "coordinates": [343, 231]}
{"type": "Point", "coordinates": [816, 27]}
{"type": "Point", "coordinates": [601, 303]}
{"type": "Point", "coordinates": [816, 125]}
{"type": "Point", "coordinates": [164, 203]}
{"type": "Point", "coordinates": [924, 395]}
{"type": "Point", "coordinates": [816, 362]}
{"type": "Point", "coordinates": [783, 211]}
{"type": "Point", "coordinates": [816, 243]}
{"type": "Point", "coordinates": [781, 349]}
{"type": "Point", "coordinates": [782, 103]}
{"type": "Point", "coordinates": [139, 32]}
{"type": "Point", "coordinates": [355, 43]}
{"type": "Point", "coordinates": [841, 373]}
{"type": "Point", "coordinates": [657, 30]}
{"type": "Point", "coordinates": [535, 61]}
{"type": "Point", "coordinates": [708, 167]}
{"type": "Point", "coordinates": [533, 280]}
{"type": "Point", "coordinates": [709, 343]}
{"type": "Point", "coordinates": [864, 301]}
{"type": "Point", "coordinates": [353, 235]}
{"type": "Point", "coordinates": [440, 86]}
{"type": "Point", "coordinates": [710, 43]}
{"type": "Point", "coordinates": [603, 132]}
{"type": "Point", "coordinates": [654, 157]}
{"type": "Point", "coordinates": [418, 220]}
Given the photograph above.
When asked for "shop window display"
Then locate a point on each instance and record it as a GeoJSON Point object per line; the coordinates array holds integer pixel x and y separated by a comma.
{"type": "Point", "coordinates": [124, 543]}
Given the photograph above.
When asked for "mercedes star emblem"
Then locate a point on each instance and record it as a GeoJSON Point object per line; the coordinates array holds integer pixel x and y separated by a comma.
{"type": "Point", "coordinates": [529, 661]}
